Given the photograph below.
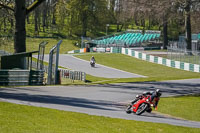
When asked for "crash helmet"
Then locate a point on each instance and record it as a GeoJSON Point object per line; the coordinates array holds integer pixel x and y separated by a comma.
{"type": "Point", "coordinates": [158, 92]}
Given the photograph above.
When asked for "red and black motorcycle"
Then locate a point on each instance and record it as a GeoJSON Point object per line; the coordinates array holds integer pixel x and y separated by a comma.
{"type": "Point", "coordinates": [140, 105]}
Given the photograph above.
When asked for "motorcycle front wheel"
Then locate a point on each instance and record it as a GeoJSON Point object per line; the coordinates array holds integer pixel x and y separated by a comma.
{"type": "Point", "coordinates": [128, 109]}
{"type": "Point", "coordinates": [141, 109]}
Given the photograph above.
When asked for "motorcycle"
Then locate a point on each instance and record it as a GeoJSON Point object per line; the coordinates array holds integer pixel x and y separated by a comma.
{"type": "Point", "coordinates": [140, 105]}
{"type": "Point", "coordinates": [92, 63]}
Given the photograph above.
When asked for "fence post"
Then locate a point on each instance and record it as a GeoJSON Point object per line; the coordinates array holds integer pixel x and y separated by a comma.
{"type": "Point", "coordinates": [54, 50]}
{"type": "Point", "coordinates": [49, 78]}
{"type": "Point", "coordinates": [57, 61]}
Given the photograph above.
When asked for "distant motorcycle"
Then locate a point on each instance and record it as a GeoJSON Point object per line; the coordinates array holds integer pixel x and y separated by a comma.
{"type": "Point", "coordinates": [140, 105]}
{"type": "Point", "coordinates": [92, 63]}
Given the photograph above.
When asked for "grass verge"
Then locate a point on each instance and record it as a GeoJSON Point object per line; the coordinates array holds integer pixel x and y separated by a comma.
{"type": "Point", "coordinates": [32, 44]}
{"type": "Point", "coordinates": [154, 72]}
{"type": "Point", "coordinates": [187, 107]}
{"type": "Point", "coordinates": [23, 119]}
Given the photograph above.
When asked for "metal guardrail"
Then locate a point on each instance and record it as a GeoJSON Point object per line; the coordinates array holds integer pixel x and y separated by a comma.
{"type": "Point", "coordinates": [21, 77]}
{"type": "Point", "coordinates": [73, 75]}
{"type": "Point", "coordinates": [65, 73]}
{"type": "Point", "coordinates": [36, 77]}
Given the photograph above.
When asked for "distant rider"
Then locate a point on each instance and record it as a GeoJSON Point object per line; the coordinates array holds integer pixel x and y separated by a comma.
{"type": "Point", "coordinates": [92, 59]}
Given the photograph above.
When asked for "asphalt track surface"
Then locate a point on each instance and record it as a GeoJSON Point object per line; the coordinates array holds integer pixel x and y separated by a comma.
{"type": "Point", "coordinates": [77, 64]}
{"type": "Point", "coordinates": [108, 100]}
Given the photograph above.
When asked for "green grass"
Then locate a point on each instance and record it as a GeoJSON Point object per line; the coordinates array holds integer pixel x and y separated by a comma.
{"type": "Point", "coordinates": [93, 79]}
{"type": "Point", "coordinates": [26, 119]}
{"type": "Point", "coordinates": [187, 107]}
{"type": "Point", "coordinates": [32, 44]}
{"type": "Point", "coordinates": [154, 72]}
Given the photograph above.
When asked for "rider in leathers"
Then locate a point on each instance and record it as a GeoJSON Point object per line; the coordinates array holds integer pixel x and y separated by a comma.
{"type": "Point", "coordinates": [155, 97]}
{"type": "Point", "coordinates": [92, 59]}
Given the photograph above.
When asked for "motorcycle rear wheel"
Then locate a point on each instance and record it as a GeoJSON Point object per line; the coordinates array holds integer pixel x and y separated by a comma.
{"type": "Point", "coordinates": [141, 109]}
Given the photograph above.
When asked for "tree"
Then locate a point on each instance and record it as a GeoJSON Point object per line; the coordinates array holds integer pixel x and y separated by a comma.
{"type": "Point", "coordinates": [86, 16]}
{"type": "Point", "coordinates": [20, 12]}
{"type": "Point", "coordinates": [188, 7]}
{"type": "Point", "coordinates": [166, 10]}
{"type": "Point", "coordinates": [144, 9]}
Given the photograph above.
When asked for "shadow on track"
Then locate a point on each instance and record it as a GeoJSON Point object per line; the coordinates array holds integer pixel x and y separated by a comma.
{"type": "Point", "coordinates": [166, 88]}
{"type": "Point", "coordinates": [69, 101]}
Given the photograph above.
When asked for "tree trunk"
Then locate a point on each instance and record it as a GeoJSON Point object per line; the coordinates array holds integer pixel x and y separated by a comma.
{"type": "Point", "coordinates": [143, 22]}
{"type": "Point", "coordinates": [165, 34]}
{"type": "Point", "coordinates": [27, 19]}
{"type": "Point", "coordinates": [84, 24]}
{"type": "Point", "coordinates": [117, 26]}
{"type": "Point", "coordinates": [84, 19]}
{"type": "Point", "coordinates": [11, 25]}
{"type": "Point", "coordinates": [112, 6]}
{"type": "Point", "coordinates": [44, 16]}
{"type": "Point", "coordinates": [112, 10]}
{"type": "Point", "coordinates": [54, 12]}
{"type": "Point", "coordinates": [149, 26]}
{"type": "Point", "coordinates": [4, 24]}
{"type": "Point", "coordinates": [20, 31]}
{"type": "Point", "coordinates": [36, 22]}
{"type": "Point", "coordinates": [188, 25]}
{"type": "Point", "coordinates": [27, 16]}
{"type": "Point", "coordinates": [121, 27]}
{"type": "Point", "coordinates": [48, 20]}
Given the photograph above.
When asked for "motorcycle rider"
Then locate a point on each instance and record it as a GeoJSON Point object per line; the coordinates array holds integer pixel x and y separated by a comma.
{"type": "Point", "coordinates": [92, 60]}
{"type": "Point", "coordinates": [155, 97]}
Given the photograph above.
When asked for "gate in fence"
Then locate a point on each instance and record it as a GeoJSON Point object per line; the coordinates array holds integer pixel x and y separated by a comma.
{"type": "Point", "coordinates": [53, 64]}
{"type": "Point", "coordinates": [40, 60]}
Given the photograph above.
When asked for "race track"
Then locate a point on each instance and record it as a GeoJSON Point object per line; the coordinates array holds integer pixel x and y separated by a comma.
{"type": "Point", "coordinates": [77, 64]}
{"type": "Point", "coordinates": [103, 100]}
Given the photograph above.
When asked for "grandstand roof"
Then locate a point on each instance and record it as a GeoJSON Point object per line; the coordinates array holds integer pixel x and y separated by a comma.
{"type": "Point", "coordinates": [128, 38]}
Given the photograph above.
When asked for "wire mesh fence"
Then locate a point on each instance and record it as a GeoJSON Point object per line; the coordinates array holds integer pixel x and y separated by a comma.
{"type": "Point", "coordinates": [40, 60]}
{"type": "Point", "coordinates": [177, 51]}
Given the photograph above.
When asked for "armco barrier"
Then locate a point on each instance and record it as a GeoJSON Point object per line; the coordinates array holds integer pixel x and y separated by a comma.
{"type": "Point", "coordinates": [160, 60]}
{"type": "Point", "coordinates": [21, 77]}
{"type": "Point", "coordinates": [73, 75]}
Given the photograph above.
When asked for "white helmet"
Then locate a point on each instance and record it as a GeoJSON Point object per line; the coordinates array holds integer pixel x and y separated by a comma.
{"type": "Point", "coordinates": [158, 92]}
